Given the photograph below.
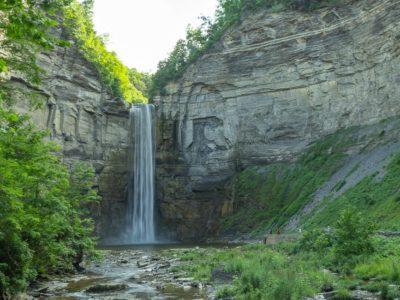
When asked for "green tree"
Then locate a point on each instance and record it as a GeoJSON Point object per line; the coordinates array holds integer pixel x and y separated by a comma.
{"type": "Point", "coordinates": [44, 222]}
{"type": "Point", "coordinates": [353, 237]}
{"type": "Point", "coordinates": [43, 219]}
{"type": "Point", "coordinates": [113, 73]}
{"type": "Point", "coordinates": [171, 68]}
{"type": "Point", "coordinates": [25, 29]}
{"type": "Point", "coordinates": [199, 40]}
{"type": "Point", "coordinates": [141, 81]}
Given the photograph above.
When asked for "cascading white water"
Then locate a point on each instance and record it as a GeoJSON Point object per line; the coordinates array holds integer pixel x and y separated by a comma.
{"type": "Point", "coordinates": [141, 180]}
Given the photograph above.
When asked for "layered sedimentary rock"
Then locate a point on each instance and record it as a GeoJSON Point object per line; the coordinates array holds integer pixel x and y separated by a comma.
{"type": "Point", "coordinates": [88, 124]}
{"type": "Point", "coordinates": [273, 84]}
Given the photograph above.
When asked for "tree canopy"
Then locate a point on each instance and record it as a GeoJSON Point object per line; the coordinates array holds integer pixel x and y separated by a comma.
{"type": "Point", "coordinates": [113, 73]}
{"type": "Point", "coordinates": [25, 28]}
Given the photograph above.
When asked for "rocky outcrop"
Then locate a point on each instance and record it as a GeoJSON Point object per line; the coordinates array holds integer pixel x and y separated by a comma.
{"type": "Point", "coordinates": [273, 84]}
{"type": "Point", "coordinates": [87, 122]}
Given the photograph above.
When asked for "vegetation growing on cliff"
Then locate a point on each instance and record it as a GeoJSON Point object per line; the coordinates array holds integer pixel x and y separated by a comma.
{"type": "Point", "coordinates": [378, 198]}
{"type": "Point", "coordinates": [44, 226]}
{"type": "Point", "coordinates": [27, 26]}
{"type": "Point", "coordinates": [43, 223]}
{"type": "Point", "coordinates": [199, 40]}
{"type": "Point", "coordinates": [266, 197]}
{"type": "Point", "coordinates": [113, 73]}
{"type": "Point", "coordinates": [24, 30]}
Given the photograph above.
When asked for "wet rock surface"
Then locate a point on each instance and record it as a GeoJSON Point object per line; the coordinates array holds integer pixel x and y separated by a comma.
{"type": "Point", "coordinates": [99, 288]}
{"type": "Point", "coordinates": [125, 274]}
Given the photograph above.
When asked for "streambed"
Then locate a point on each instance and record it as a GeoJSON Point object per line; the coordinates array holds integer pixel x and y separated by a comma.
{"type": "Point", "coordinates": [128, 272]}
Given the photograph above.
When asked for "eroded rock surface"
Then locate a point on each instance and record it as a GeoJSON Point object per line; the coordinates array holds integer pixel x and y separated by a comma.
{"type": "Point", "coordinates": [87, 122]}
{"type": "Point", "coordinates": [271, 86]}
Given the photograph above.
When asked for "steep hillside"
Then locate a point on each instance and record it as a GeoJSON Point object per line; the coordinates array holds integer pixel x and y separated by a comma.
{"type": "Point", "coordinates": [273, 86]}
{"type": "Point", "coordinates": [356, 167]}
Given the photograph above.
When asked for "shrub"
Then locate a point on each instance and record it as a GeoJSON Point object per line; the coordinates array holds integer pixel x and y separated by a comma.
{"type": "Point", "coordinates": [350, 241]}
{"type": "Point", "coordinates": [226, 292]}
{"type": "Point", "coordinates": [353, 237]}
{"type": "Point", "coordinates": [380, 268]}
{"type": "Point", "coordinates": [343, 294]}
{"type": "Point", "coordinates": [316, 240]}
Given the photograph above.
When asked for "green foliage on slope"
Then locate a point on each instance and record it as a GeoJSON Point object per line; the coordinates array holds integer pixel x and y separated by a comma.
{"type": "Point", "coordinates": [113, 73]}
{"type": "Point", "coordinates": [141, 81]}
{"type": "Point", "coordinates": [350, 257]}
{"type": "Point", "coordinates": [24, 30]}
{"type": "Point", "coordinates": [266, 197]}
{"type": "Point", "coordinates": [378, 198]}
{"type": "Point", "coordinates": [43, 227]}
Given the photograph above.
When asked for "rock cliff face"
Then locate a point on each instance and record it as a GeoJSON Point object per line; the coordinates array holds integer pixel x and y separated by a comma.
{"type": "Point", "coordinates": [87, 122]}
{"type": "Point", "coordinates": [271, 86]}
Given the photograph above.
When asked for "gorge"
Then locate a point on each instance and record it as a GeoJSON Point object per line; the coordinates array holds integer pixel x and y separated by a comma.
{"type": "Point", "coordinates": [285, 130]}
{"type": "Point", "coordinates": [261, 95]}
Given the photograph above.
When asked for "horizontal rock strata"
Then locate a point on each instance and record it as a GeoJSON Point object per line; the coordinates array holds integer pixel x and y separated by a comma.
{"type": "Point", "coordinates": [86, 121]}
{"type": "Point", "coordinates": [272, 85]}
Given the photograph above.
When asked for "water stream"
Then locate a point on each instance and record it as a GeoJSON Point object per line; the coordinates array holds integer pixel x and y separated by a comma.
{"type": "Point", "coordinates": [129, 272]}
{"type": "Point", "coordinates": [140, 215]}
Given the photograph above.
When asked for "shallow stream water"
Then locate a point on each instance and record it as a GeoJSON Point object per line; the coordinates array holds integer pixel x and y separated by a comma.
{"type": "Point", "coordinates": [128, 272]}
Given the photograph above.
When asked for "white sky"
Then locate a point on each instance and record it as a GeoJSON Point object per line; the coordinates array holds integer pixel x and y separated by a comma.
{"type": "Point", "coordinates": [143, 32]}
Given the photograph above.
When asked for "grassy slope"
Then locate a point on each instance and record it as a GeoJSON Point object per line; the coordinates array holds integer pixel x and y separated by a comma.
{"type": "Point", "coordinates": [267, 196]}
{"type": "Point", "coordinates": [261, 273]}
{"type": "Point", "coordinates": [378, 199]}
{"type": "Point", "coordinates": [285, 271]}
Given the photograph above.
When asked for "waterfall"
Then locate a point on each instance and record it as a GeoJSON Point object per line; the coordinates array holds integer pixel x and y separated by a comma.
{"type": "Point", "coordinates": [141, 179]}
